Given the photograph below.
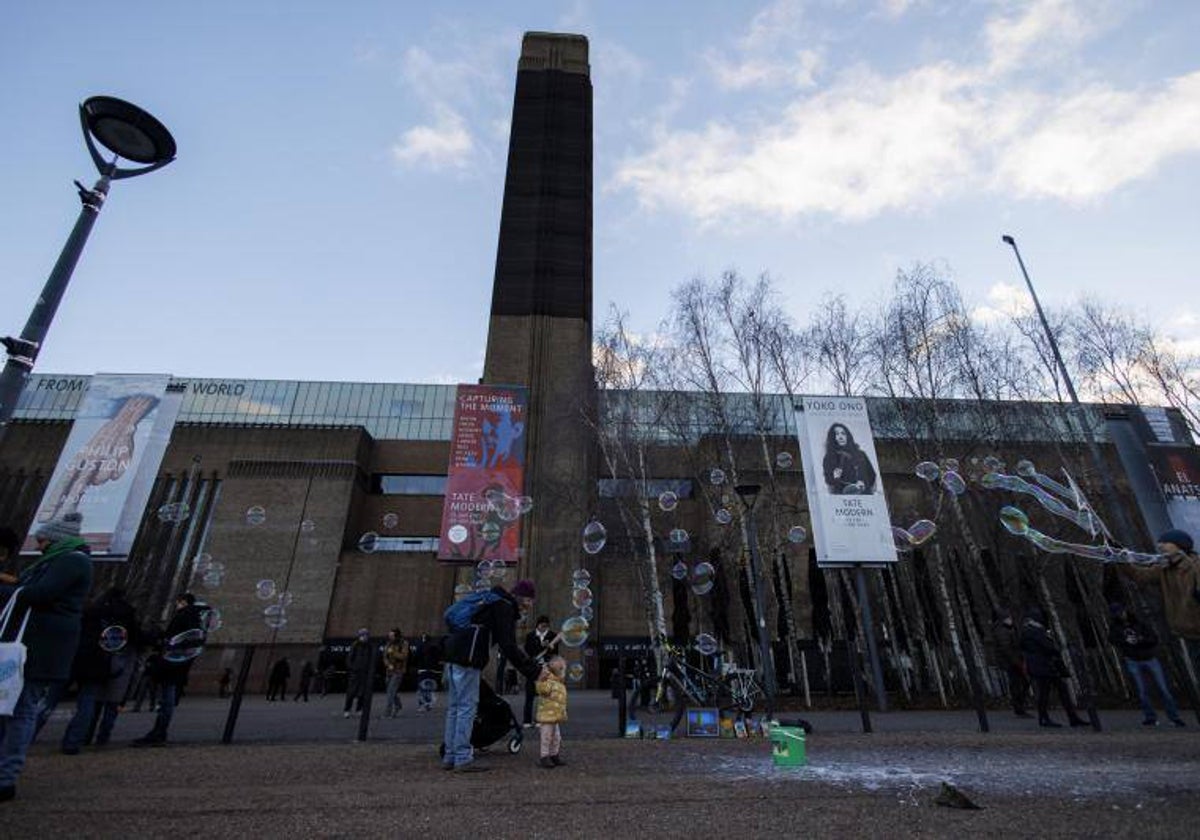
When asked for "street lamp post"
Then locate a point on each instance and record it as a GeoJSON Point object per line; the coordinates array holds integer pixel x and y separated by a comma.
{"type": "Point", "coordinates": [1106, 479]}
{"type": "Point", "coordinates": [748, 493]}
{"type": "Point", "coordinates": [127, 132]}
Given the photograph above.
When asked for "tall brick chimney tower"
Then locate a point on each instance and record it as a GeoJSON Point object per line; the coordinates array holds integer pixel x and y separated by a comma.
{"type": "Point", "coordinates": [540, 332]}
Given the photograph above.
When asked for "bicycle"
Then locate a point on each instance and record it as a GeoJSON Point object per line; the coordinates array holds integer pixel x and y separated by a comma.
{"type": "Point", "coordinates": [681, 684]}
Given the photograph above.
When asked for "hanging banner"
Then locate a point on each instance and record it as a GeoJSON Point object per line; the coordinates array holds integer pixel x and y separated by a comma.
{"type": "Point", "coordinates": [107, 467]}
{"type": "Point", "coordinates": [486, 476]}
{"type": "Point", "coordinates": [846, 502]}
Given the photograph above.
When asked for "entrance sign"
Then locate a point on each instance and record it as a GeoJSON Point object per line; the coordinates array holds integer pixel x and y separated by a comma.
{"type": "Point", "coordinates": [850, 520]}
{"type": "Point", "coordinates": [481, 516]}
{"type": "Point", "coordinates": [107, 467]}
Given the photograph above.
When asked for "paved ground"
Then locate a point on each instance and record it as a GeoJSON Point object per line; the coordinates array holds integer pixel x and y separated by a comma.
{"type": "Point", "coordinates": [295, 771]}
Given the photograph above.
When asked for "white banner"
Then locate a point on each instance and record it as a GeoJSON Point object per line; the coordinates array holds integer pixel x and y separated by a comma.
{"type": "Point", "coordinates": [107, 467]}
{"type": "Point", "coordinates": [846, 502]}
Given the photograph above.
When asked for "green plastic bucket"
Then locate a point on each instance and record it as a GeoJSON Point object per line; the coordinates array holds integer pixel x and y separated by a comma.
{"type": "Point", "coordinates": [787, 746]}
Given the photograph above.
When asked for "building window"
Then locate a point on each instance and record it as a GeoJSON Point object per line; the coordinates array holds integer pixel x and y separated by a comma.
{"type": "Point", "coordinates": [623, 488]}
{"type": "Point", "coordinates": [410, 485]}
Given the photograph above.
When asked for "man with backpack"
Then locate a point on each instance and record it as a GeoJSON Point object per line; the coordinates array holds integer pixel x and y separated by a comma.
{"type": "Point", "coordinates": [475, 623]}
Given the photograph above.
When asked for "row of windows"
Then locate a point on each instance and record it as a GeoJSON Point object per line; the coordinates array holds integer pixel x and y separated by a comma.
{"type": "Point", "coordinates": [410, 485]}
{"type": "Point", "coordinates": [625, 488]}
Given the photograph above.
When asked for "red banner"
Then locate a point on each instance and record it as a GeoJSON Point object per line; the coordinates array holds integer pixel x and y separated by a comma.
{"type": "Point", "coordinates": [481, 516]}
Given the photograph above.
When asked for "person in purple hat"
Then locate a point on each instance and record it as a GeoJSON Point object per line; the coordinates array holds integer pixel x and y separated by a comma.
{"type": "Point", "coordinates": [492, 621]}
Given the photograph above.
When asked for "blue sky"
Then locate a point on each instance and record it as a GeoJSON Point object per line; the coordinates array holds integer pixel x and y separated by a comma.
{"type": "Point", "coordinates": [334, 207]}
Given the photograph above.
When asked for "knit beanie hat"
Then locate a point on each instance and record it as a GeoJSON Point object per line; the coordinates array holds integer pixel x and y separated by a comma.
{"type": "Point", "coordinates": [1180, 538]}
{"type": "Point", "coordinates": [67, 526]}
{"type": "Point", "coordinates": [524, 589]}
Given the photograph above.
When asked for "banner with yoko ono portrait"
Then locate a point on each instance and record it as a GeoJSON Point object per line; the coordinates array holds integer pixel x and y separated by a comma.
{"type": "Point", "coordinates": [846, 502]}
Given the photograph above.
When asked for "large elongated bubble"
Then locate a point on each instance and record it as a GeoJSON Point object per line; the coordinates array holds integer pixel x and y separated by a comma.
{"type": "Point", "coordinates": [953, 483]}
{"type": "Point", "coordinates": [999, 481]}
{"type": "Point", "coordinates": [921, 531]}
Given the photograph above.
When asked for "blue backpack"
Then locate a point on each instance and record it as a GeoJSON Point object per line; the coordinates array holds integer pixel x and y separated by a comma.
{"type": "Point", "coordinates": [459, 615]}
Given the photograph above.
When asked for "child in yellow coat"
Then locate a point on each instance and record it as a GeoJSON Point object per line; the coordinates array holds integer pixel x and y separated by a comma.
{"type": "Point", "coordinates": [551, 711]}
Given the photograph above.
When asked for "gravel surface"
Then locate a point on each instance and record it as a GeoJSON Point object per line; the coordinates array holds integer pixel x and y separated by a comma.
{"type": "Point", "coordinates": [1037, 784]}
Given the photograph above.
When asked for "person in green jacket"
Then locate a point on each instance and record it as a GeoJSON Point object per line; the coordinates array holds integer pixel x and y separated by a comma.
{"type": "Point", "coordinates": [51, 590]}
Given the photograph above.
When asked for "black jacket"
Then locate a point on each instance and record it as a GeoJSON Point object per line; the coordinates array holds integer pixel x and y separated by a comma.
{"type": "Point", "coordinates": [537, 649]}
{"type": "Point", "coordinates": [498, 620]}
{"type": "Point", "coordinates": [188, 618]}
{"type": "Point", "coordinates": [1134, 639]}
{"type": "Point", "coordinates": [53, 588]}
{"type": "Point", "coordinates": [92, 663]}
{"type": "Point", "coordinates": [358, 660]}
{"type": "Point", "coordinates": [1042, 655]}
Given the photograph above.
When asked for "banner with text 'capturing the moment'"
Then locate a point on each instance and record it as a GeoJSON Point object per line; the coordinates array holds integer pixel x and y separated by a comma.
{"type": "Point", "coordinates": [846, 502]}
{"type": "Point", "coordinates": [481, 516]}
{"type": "Point", "coordinates": [107, 467]}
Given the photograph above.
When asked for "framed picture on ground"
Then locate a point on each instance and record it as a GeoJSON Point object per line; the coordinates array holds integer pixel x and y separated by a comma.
{"type": "Point", "coordinates": [703, 723]}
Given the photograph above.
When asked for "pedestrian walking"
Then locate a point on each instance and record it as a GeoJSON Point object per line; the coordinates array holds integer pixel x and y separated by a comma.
{"type": "Point", "coordinates": [48, 603]}
{"type": "Point", "coordinates": [179, 647]}
{"type": "Point", "coordinates": [307, 672]}
{"type": "Point", "coordinates": [358, 666]}
{"type": "Point", "coordinates": [1006, 654]}
{"type": "Point", "coordinates": [395, 663]}
{"type": "Point", "coordinates": [1138, 644]}
{"type": "Point", "coordinates": [1047, 669]}
{"type": "Point", "coordinates": [281, 671]}
{"type": "Point", "coordinates": [106, 629]}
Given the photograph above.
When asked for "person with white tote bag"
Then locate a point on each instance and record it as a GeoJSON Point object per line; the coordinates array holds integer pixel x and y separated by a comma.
{"type": "Point", "coordinates": [47, 608]}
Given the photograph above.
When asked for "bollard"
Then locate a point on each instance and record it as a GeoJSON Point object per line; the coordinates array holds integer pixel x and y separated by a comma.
{"type": "Point", "coordinates": [364, 721]}
{"type": "Point", "coordinates": [619, 691]}
{"type": "Point", "coordinates": [239, 689]}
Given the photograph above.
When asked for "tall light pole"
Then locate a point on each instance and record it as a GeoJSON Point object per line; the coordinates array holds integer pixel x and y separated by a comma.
{"type": "Point", "coordinates": [127, 132]}
{"type": "Point", "coordinates": [748, 493]}
{"type": "Point", "coordinates": [1106, 479]}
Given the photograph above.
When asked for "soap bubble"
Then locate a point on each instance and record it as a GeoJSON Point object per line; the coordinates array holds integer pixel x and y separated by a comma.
{"type": "Point", "coordinates": [581, 598]}
{"type": "Point", "coordinates": [184, 647]}
{"type": "Point", "coordinates": [461, 591]}
{"type": "Point", "coordinates": [484, 569]}
{"type": "Point", "coordinates": [212, 621]}
{"type": "Point", "coordinates": [953, 482]}
{"type": "Point", "coordinates": [586, 613]}
{"type": "Point", "coordinates": [1026, 469]}
{"type": "Point", "coordinates": [286, 599]}
{"type": "Point", "coordinates": [991, 480]}
{"type": "Point", "coordinates": [723, 516]}
{"type": "Point", "coordinates": [427, 684]}
{"type": "Point", "coordinates": [706, 645]}
{"type": "Point", "coordinates": [784, 460]}
{"type": "Point", "coordinates": [716, 476]}
{"type": "Point", "coordinates": [308, 526]}
{"type": "Point", "coordinates": [1014, 520]}
{"type": "Point", "coordinates": [524, 504]}
{"type": "Point", "coordinates": [113, 638]}
{"type": "Point", "coordinates": [575, 672]}
{"type": "Point", "coordinates": [921, 531]}
{"type": "Point", "coordinates": [797, 534]}
{"type": "Point", "coordinates": [256, 515]}
{"type": "Point", "coordinates": [574, 631]}
{"type": "Point", "coordinates": [391, 520]}
{"type": "Point", "coordinates": [928, 470]}
{"type": "Point", "coordinates": [678, 537]}
{"type": "Point", "coordinates": [481, 585]}
{"type": "Point", "coordinates": [679, 571]}
{"type": "Point", "coordinates": [275, 617]}
{"type": "Point", "coordinates": [950, 465]}
{"type": "Point", "coordinates": [594, 537]}
{"type": "Point", "coordinates": [174, 512]}
{"type": "Point", "coordinates": [212, 580]}
{"type": "Point", "coordinates": [668, 501]}
{"type": "Point", "coordinates": [993, 464]}
{"type": "Point", "coordinates": [265, 590]}
{"type": "Point", "coordinates": [201, 564]}
{"type": "Point", "coordinates": [581, 578]}
{"type": "Point", "coordinates": [703, 577]}
{"type": "Point", "coordinates": [368, 542]}
{"type": "Point", "coordinates": [499, 570]}
{"type": "Point", "coordinates": [901, 538]}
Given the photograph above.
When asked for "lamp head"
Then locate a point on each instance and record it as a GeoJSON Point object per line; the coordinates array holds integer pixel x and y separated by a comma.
{"type": "Point", "coordinates": [1007, 240]}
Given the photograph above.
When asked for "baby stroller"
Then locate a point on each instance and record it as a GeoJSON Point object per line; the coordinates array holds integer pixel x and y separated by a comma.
{"type": "Point", "coordinates": [494, 719]}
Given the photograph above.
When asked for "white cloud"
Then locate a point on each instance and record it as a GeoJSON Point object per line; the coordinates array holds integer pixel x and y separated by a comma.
{"type": "Point", "coordinates": [868, 143]}
{"type": "Point", "coordinates": [1093, 142]}
{"type": "Point", "coordinates": [1042, 31]}
{"type": "Point", "coordinates": [771, 53]}
{"type": "Point", "coordinates": [1004, 301]}
{"type": "Point", "coordinates": [446, 144]}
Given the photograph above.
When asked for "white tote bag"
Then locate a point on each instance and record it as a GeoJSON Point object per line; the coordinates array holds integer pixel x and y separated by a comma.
{"type": "Point", "coordinates": [12, 660]}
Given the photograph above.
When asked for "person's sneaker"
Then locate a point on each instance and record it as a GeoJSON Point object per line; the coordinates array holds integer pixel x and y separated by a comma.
{"type": "Point", "coordinates": [470, 767]}
{"type": "Point", "coordinates": [546, 762]}
{"type": "Point", "coordinates": [345, 714]}
{"type": "Point", "coordinates": [558, 762]}
{"type": "Point", "coordinates": [1150, 722]}
{"type": "Point", "coordinates": [7, 793]}
{"type": "Point", "coordinates": [1178, 721]}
